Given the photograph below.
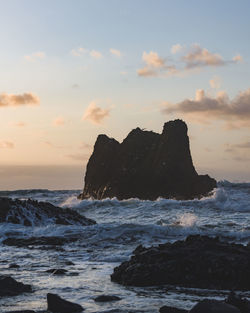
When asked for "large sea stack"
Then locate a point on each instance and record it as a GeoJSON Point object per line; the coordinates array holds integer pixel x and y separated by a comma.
{"type": "Point", "coordinates": [145, 165]}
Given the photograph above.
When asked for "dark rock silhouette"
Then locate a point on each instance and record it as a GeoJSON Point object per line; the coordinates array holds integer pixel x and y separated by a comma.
{"type": "Point", "coordinates": [169, 309]}
{"type": "Point", "coordinates": [145, 165]}
{"type": "Point", "coordinates": [107, 298]}
{"type": "Point", "coordinates": [213, 306]}
{"type": "Point", "coordinates": [197, 262]}
{"type": "Point", "coordinates": [10, 287]}
{"type": "Point", "coordinates": [31, 212]}
{"type": "Point", "coordinates": [58, 305]}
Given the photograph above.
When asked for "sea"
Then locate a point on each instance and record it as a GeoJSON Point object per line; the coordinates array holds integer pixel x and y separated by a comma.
{"type": "Point", "coordinates": [121, 227]}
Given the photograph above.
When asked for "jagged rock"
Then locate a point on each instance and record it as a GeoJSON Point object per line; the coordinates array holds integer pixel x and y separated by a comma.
{"type": "Point", "coordinates": [168, 309]}
{"type": "Point", "coordinates": [10, 287]}
{"type": "Point", "coordinates": [31, 212]}
{"type": "Point", "coordinates": [106, 298]}
{"type": "Point", "coordinates": [197, 262]}
{"type": "Point", "coordinates": [236, 300]}
{"type": "Point", "coordinates": [213, 306]}
{"type": "Point", "coordinates": [57, 271]}
{"type": "Point", "coordinates": [39, 241]}
{"type": "Point", "coordinates": [145, 165]}
{"type": "Point", "coordinates": [58, 305]}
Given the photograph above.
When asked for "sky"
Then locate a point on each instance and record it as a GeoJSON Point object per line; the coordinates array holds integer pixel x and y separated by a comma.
{"type": "Point", "coordinates": [71, 70]}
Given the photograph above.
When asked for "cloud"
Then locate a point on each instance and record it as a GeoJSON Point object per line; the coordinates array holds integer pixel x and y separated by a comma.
{"type": "Point", "coordinates": [192, 60]}
{"type": "Point", "coordinates": [85, 145]}
{"type": "Point", "coordinates": [95, 54]}
{"type": "Point", "coordinates": [199, 57]}
{"type": "Point", "coordinates": [155, 65]}
{"type": "Point", "coordinates": [6, 144]}
{"type": "Point", "coordinates": [20, 124]}
{"type": "Point", "coordinates": [78, 52]}
{"type": "Point", "coordinates": [203, 107]}
{"type": "Point", "coordinates": [34, 56]}
{"type": "Point", "coordinates": [10, 100]}
{"type": "Point", "coordinates": [78, 157]}
{"type": "Point", "coordinates": [115, 52]}
{"type": "Point", "coordinates": [95, 114]}
{"type": "Point", "coordinates": [59, 121]}
{"type": "Point", "coordinates": [215, 82]}
{"type": "Point", "coordinates": [176, 48]}
{"type": "Point", "coordinates": [75, 86]}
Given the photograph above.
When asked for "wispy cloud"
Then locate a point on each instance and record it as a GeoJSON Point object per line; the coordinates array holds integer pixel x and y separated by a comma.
{"type": "Point", "coordinates": [115, 52]}
{"type": "Point", "coordinates": [203, 107]}
{"type": "Point", "coordinates": [6, 144]}
{"type": "Point", "coordinates": [215, 82]}
{"type": "Point", "coordinates": [78, 51]}
{"type": "Point", "coordinates": [176, 48]}
{"type": "Point", "coordinates": [191, 59]}
{"type": "Point", "coordinates": [85, 146]}
{"type": "Point", "coordinates": [35, 56]}
{"type": "Point", "coordinates": [79, 157]}
{"type": "Point", "coordinates": [25, 99]}
{"type": "Point", "coordinates": [95, 114]}
{"type": "Point", "coordinates": [59, 121]}
{"type": "Point", "coordinates": [95, 54]}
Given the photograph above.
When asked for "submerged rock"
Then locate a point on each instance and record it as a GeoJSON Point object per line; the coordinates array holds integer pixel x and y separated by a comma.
{"type": "Point", "coordinates": [145, 165]}
{"type": "Point", "coordinates": [34, 213]}
{"type": "Point", "coordinates": [107, 298]}
{"type": "Point", "coordinates": [197, 262]}
{"type": "Point", "coordinates": [242, 304]}
{"type": "Point", "coordinates": [213, 306]}
{"type": "Point", "coordinates": [39, 241]}
{"type": "Point", "coordinates": [58, 305]}
{"type": "Point", "coordinates": [57, 271]}
{"type": "Point", "coordinates": [169, 309]}
{"type": "Point", "coordinates": [10, 287]}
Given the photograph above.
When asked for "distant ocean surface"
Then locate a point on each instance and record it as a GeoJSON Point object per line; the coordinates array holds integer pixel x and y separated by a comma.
{"type": "Point", "coordinates": [121, 226]}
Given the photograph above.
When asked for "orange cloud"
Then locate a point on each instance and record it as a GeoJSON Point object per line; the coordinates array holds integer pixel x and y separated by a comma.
{"type": "Point", "coordinates": [6, 144]}
{"type": "Point", "coordinates": [7, 100]}
{"type": "Point", "coordinates": [203, 108]}
{"type": "Point", "coordinates": [115, 52]}
{"type": "Point", "coordinates": [192, 59]}
{"type": "Point", "coordinates": [95, 114]}
{"type": "Point", "coordinates": [95, 54]}
{"type": "Point", "coordinates": [59, 121]}
{"type": "Point", "coordinates": [36, 55]}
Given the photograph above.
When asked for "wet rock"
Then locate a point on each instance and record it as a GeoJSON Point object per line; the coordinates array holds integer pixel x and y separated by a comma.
{"type": "Point", "coordinates": [169, 309]}
{"type": "Point", "coordinates": [14, 265]}
{"type": "Point", "coordinates": [10, 287]}
{"type": "Point", "coordinates": [55, 271]}
{"type": "Point", "coordinates": [22, 311]}
{"type": "Point", "coordinates": [31, 212]}
{"type": "Point", "coordinates": [213, 306]}
{"type": "Point", "coordinates": [107, 298]}
{"type": "Point", "coordinates": [39, 241]}
{"type": "Point", "coordinates": [197, 262]}
{"type": "Point", "coordinates": [58, 305]}
{"type": "Point", "coordinates": [236, 300]}
{"type": "Point", "coordinates": [145, 165]}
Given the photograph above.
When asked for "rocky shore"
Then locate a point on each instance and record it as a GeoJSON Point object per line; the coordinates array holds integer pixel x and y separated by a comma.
{"type": "Point", "coordinates": [33, 213]}
{"type": "Point", "coordinates": [197, 262]}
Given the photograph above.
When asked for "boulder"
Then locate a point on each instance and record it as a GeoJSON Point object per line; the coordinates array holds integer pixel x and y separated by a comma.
{"type": "Point", "coordinates": [197, 262]}
{"type": "Point", "coordinates": [213, 306]}
{"type": "Point", "coordinates": [57, 271]}
{"type": "Point", "coordinates": [236, 300]}
{"type": "Point", "coordinates": [107, 298]}
{"type": "Point", "coordinates": [58, 305]}
{"type": "Point", "coordinates": [145, 165]}
{"type": "Point", "coordinates": [10, 287]}
{"type": "Point", "coordinates": [34, 213]}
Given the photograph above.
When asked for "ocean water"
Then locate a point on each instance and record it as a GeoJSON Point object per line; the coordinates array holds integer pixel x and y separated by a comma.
{"type": "Point", "coordinates": [121, 226]}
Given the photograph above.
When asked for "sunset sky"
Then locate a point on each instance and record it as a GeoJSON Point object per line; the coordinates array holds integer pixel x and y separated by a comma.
{"type": "Point", "coordinates": [71, 70]}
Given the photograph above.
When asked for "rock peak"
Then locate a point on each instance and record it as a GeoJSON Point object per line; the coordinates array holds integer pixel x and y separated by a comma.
{"type": "Point", "coordinates": [146, 165]}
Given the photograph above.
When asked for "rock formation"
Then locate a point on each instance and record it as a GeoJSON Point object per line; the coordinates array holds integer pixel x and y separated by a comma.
{"type": "Point", "coordinates": [197, 262]}
{"type": "Point", "coordinates": [145, 165]}
{"type": "Point", "coordinates": [34, 213]}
